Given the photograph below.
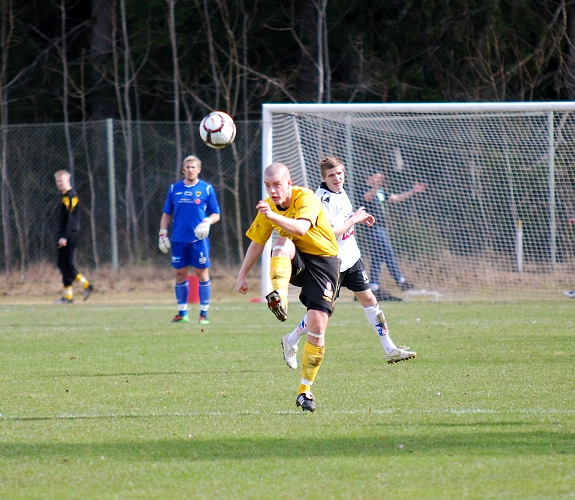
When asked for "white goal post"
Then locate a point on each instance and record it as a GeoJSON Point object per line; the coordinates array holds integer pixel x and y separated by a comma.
{"type": "Point", "coordinates": [495, 218]}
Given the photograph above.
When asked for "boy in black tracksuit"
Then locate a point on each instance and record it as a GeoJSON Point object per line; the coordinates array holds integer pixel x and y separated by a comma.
{"type": "Point", "coordinates": [68, 229]}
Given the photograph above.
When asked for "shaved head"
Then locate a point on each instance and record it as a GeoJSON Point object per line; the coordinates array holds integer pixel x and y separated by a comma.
{"type": "Point", "coordinates": [278, 170]}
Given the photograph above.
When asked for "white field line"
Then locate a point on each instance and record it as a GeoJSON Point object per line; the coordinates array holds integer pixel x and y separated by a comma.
{"type": "Point", "coordinates": [477, 411]}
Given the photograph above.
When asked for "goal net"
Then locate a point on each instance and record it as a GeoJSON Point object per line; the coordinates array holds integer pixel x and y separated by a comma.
{"type": "Point", "coordinates": [494, 219]}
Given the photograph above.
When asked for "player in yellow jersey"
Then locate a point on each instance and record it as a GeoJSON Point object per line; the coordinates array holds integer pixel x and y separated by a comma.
{"type": "Point", "coordinates": [305, 255]}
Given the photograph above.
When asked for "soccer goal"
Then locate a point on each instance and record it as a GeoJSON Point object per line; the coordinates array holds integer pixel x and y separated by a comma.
{"type": "Point", "coordinates": [494, 220]}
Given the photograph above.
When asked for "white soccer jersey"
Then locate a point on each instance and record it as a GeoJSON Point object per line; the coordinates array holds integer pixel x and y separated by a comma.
{"type": "Point", "coordinates": [338, 209]}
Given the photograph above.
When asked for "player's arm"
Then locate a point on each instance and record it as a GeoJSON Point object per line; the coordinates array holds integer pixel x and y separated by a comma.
{"type": "Point", "coordinates": [360, 216]}
{"type": "Point", "coordinates": [165, 221]}
{"type": "Point", "coordinates": [418, 187]}
{"type": "Point", "coordinates": [202, 230]}
{"type": "Point", "coordinates": [163, 241]}
{"type": "Point", "coordinates": [253, 253]}
{"type": "Point", "coordinates": [297, 227]}
{"type": "Point", "coordinates": [213, 218]}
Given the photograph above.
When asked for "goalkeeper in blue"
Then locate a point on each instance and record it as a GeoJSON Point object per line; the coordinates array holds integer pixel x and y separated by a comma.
{"type": "Point", "coordinates": [191, 207]}
{"type": "Point", "coordinates": [353, 276]}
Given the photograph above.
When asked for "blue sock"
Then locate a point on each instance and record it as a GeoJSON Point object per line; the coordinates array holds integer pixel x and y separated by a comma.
{"type": "Point", "coordinates": [182, 297]}
{"type": "Point", "coordinates": [205, 294]}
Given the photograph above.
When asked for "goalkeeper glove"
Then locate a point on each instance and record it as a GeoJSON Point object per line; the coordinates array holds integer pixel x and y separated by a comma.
{"type": "Point", "coordinates": [202, 229]}
{"type": "Point", "coordinates": [164, 242]}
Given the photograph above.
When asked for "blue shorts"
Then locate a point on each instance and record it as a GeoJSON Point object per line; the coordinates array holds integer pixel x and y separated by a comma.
{"type": "Point", "coordinates": [195, 254]}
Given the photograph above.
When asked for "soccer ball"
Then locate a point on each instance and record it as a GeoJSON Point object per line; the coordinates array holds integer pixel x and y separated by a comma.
{"type": "Point", "coordinates": [218, 130]}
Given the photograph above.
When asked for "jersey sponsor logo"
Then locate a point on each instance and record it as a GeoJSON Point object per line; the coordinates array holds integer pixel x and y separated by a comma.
{"type": "Point", "coordinates": [187, 193]}
{"type": "Point", "coordinates": [348, 234]}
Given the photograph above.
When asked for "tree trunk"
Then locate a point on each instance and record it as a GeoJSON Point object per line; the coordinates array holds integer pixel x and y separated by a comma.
{"type": "Point", "coordinates": [6, 32]}
{"type": "Point", "coordinates": [131, 215]}
{"type": "Point", "coordinates": [102, 98]}
{"type": "Point", "coordinates": [65, 91]}
{"type": "Point", "coordinates": [91, 178]}
{"type": "Point", "coordinates": [173, 40]}
{"type": "Point", "coordinates": [141, 167]}
{"type": "Point", "coordinates": [571, 53]}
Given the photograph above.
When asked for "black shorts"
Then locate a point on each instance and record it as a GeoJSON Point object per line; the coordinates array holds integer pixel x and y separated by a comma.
{"type": "Point", "coordinates": [318, 277]}
{"type": "Point", "coordinates": [355, 278]}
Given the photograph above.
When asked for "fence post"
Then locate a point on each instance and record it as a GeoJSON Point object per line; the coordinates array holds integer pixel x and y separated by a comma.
{"type": "Point", "coordinates": [551, 160]}
{"type": "Point", "coordinates": [519, 246]}
{"type": "Point", "coordinates": [112, 192]}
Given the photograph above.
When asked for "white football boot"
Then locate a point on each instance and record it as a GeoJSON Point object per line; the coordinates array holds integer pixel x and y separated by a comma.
{"type": "Point", "coordinates": [399, 354]}
{"type": "Point", "coordinates": [290, 352]}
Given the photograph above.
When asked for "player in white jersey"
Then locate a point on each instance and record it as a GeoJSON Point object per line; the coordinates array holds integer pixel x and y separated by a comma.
{"type": "Point", "coordinates": [353, 276]}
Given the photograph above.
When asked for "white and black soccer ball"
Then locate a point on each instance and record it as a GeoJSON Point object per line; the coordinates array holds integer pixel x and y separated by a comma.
{"type": "Point", "coordinates": [218, 130]}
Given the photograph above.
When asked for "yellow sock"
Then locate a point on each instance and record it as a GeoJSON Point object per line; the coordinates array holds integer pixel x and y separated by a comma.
{"type": "Point", "coordinates": [280, 272]}
{"type": "Point", "coordinates": [310, 362]}
{"type": "Point", "coordinates": [81, 279]}
{"type": "Point", "coordinates": [68, 292]}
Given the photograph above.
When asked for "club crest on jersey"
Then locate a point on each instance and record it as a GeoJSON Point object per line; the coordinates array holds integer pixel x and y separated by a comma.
{"type": "Point", "coordinates": [198, 193]}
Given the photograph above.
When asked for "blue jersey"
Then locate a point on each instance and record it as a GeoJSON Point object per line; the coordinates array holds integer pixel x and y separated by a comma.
{"type": "Point", "coordinates": [189, 205]}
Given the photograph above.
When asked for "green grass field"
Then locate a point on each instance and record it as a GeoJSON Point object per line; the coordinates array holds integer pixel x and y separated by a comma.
{"type": "Point", "coordinates": [110, 400]}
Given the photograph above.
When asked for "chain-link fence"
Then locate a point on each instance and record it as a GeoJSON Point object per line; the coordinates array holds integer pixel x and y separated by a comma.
{"type": "Point", "coordinates": [121, 173]}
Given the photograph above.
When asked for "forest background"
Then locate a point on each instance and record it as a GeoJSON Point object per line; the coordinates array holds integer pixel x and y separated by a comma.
{"type": "Point", "coordinates": [177, 59]}
{"type": "Point", "coordinates": [75, 63]}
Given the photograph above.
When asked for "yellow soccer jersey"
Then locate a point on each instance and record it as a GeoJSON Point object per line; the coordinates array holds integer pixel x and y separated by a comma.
{"type": "Point", "coordinates": [319, 239]}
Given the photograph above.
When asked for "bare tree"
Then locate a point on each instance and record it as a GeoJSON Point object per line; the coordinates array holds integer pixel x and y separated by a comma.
{"type": "Point", "coordinates": [570, 39]}
{"type": "Point", "coordinates": [323, 71]}
{"type": "Point", "coordinates": [217, 92]}
{"type": "Point", "coordinates": [321, 60]}
{"type": "Point", "coordinates": [5, 35]}
{"type": "Point", "coordinates": [82, 94]}
{"type": "Point", "coordinates": [65, 84]}
{"type": "Point", "coordinates": [102, 12]}
{"type": "Point", "coordinates": [176, 83]}
{"type": "Point", "coordinates": [7, 195]}
{"type": "Point", "coordinates": [125, 111]}
{"type": "Point", "coordinates": [141, 163]}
